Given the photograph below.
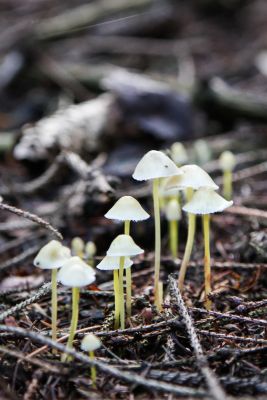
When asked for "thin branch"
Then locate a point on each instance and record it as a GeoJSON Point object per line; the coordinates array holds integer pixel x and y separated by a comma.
{"type": "Point", "coordinates": [213, 383]}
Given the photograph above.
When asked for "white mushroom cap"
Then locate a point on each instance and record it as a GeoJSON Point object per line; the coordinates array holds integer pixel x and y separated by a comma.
{"type": "Point", "coordinates": [52, 255]}
{"type": "Point", "coordinates": [123, 246]}
{"type": "Point", "coordinates": [178, 153]}
{"type": "Point", "coordinates": [76, 273]}
{"type": "Point", "coordinates": [90, 342]}
{"type": "Point", "coordinates": [77, 245]}
{"type": "Point", "coordinates": [163, 192]}
{"type": "Point", "coordinates": [173, 210]}
{"type": "Point", "coordinates": [193, 177]}
{"type": "Point", "coordinates": [155, 164]}
{"type": "Point", "coordinates": [110, 263]}
{"type": "Point", "coordinates": [227, 161]}
{"type": "Point", "coordinates": [127, 208]}
{"type": "Point", "coordinates": [206, 201]}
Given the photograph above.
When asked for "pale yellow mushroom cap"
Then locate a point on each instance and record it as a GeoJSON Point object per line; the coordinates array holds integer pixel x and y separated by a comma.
{"type": "Point", "coordinates": [155, 164]}
{"type": "Point", "coordinates": [227, 161]}
{"type": "Point", "coordinates": [127, 208]}
{"type": "Point", "coordinates": [193, 177]}
{"type": "Point", "coordinates": [206, 201]}
{"type": "Point", "coordinates": [77, 245]}
{"type": "Point", "coordinates": [110, 263]}
{"type": "Point", "coordinates": [90, 342]}
{"type": "Point", "coordinates": [178, 153]}
{"type": "Point", "coordinates": [90, 249]}
{"type": "Point", "coordinates": [123, 245]}
{"type": "Point", "coordinates": [173, 210]}
{"type": "Point", "coordinates": [76, 273]}
{"type": "Point", "coordinates": [52, 255]}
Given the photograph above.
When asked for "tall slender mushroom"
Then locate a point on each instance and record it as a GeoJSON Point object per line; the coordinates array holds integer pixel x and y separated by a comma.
{"type": "Point", "coordinates": [75, 273]}
{"type": "Point", "coordinates": [127, 209]}
{"type": "Point", "coordinates": [192, 179]}
{"type": "Point", "coordinates": [205, 202]}
{"type": "Point", "coordinates": [113, 264]}
{"type": "Point", "coordinates": [173, 215]}
{"type": "Point", "coordinates": [153, 166]}
{"type": "Point", "coordinates": [123, 246]}
{"type": "Point", "coordinates": [227, 163]}
{"type": "Point", "coordinates": [52, 256]}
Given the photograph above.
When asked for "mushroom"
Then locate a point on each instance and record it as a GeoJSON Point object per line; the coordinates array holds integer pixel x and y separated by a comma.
{"type": "Point", "coordinates": [227, 163]}
{"type": "Point", "coordinates": [75, 273]}
{"type": "Point", "coordinates": [155, 165]}
{"type": "Point", "coordinates": [52, 256]}
{"type": "Point", "coordinates": [90, 251]}
{"type": "Point", "coordinates": [178, 153]}
{"type": "Point", "coordinates": [123, 246]}
{"type": "Point", "coordinates": [173, 215]}
{"type": "Point", "coordinates": [127, 209]}
{"type": "Point", "coordinates": [205, 202]}
{"type": "Point", "coordinates": [90, 343]}
{"type": "Point", "coordinates": [113, 263]}
{"type": "Point", "coordinates": [77, 246]}
{"type": "Point", "coordinates": [193, 178]}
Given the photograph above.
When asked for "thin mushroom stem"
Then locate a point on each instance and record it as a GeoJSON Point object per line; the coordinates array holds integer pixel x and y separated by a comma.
{"type": "Point", "coordinates": [157, 240]}
{"type": "Point", "coordinates": [207, 273]}
{"type": "Point", "coordinates": [188, 249]}
{"type": "Point", "coordinates": [173, 237]}
{"type": "Point", "coordinates": [128, 273]}
{"type": "Point", "coordinates": [54, 303]}
{"type": "Point", "coordinates": [117, 298]}
{"type": "Point", "coordinates": [121, 306]}
{"type": "Point", "coordinates": [93, 369]}
{"type": "Point", "coordinates": [227, 184]}
{"type": "Point", "coordinates": [74, 319]}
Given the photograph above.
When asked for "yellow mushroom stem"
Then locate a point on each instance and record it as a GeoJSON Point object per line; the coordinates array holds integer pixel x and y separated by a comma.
{"type": "Point", "coordinates": [207, 273]}
{"type": "Point", "coordinates": [74, 320]}
{"type": "Point", "coordinates": [128, 273]}
{"type": "Point", "coordinates": [121, 306]}
{"type": "Point", "coordinates": [227, 184]}
{"type": "Point", "coordinates": [160, 294]}
{"type": "Point", "coordinates": [117, 298]}
{"type": "Point", "coordinates": [188, 249]}
{"type": "Point", "coordinates": [173, 237]}
{"type": "Point", "coordinates": [93, 368]}
{"type": "Point", "coordinates": [157, 241]}
{"type": "Point", "coordinates": [54, 303]}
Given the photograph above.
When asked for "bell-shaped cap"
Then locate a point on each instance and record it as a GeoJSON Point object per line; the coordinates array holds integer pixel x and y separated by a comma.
{"type": "Point", "coordinates": [52, 255]}
{"type": "Point", "coordinates": [123, 246]}
{"type": "Point", "coordinates": [110, 263]}
{"type": "Point", "coordinates": [193, 177]}
{"type": "Point", "coordinates": [77, 246]}
{"type": "Point", "coordinates": [178, 153]}
{"type": "Point", "coordinates": [155, 164]}
{"type": "Point", "coordinates": [90, 342]}
{"type": "Point", "coordinates": [206, 201]}
{"type": "Point", "coordinates": [90, 249]}
{"type": "Point", "coordinates": [227, 161]}
{"type": "Point", "coordinates": [127, 208]}
{"type": "Point", "coordinates": [173, 210]}
{"type": "Point", "coordinates": [76, 273]}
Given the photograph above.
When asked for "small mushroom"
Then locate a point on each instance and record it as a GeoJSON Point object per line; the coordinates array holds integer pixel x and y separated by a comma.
{"type": "Point", "coordinates": [89, 252]}
{"type": "Point", "coordinates": [52, 256]}
{"type": "Point", "coordinates": [153, 166]}
{"type": "Point", "coordinates": [123, 246]}
{"type": "Point", "coordinates": [206, 202]}
{"type": "Point", "coordinates": [193, 178]}
{"type": "Point", "coordinates": [127, 209]}
{"type": "Point", "coordinates": [77, 246]}
{"type": "Point", "coordinates": [75, 273]}
{"type": "Point", "coordinates": [178, 154]}
{"type": "Point", "coordinates": [173, 215]}
{"type": "Point", "coordinates": [227, 163]}
{"type": "Point", "coordinates": [113, 264]}
{"type": "Point", "coordinates": [90, 344]}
